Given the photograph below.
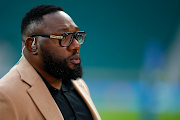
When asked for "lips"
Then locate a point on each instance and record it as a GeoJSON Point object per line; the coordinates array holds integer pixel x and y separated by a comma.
{"type": "Point", "coordinates": [75, 59]}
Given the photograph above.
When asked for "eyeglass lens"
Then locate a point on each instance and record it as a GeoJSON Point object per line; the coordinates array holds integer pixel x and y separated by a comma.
{"type": "Point", "coordinates": [67, 38]}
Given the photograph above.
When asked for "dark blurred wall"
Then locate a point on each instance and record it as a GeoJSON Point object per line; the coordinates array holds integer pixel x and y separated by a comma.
{"type": "Point", "coordinates": [117, 31]}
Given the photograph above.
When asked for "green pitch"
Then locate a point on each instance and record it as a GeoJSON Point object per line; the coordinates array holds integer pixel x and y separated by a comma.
{"type": "Point", "coordinates": [115, 115]}
{"type": "Point", "coordinates": [136, 116]}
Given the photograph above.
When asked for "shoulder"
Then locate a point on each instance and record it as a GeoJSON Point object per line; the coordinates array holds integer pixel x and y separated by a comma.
{"type": "Point", "coordinates": [12, 74]}
{"type": "Point", "coordinates": [12, 85]}
{"type": "Point", "coordinates": [7, 108]}
{"type": "Point", "coordinates": [11, 79]}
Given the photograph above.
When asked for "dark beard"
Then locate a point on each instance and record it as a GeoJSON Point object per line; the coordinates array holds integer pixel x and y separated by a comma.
{"type": "Point", "coordinates": [58, 67]}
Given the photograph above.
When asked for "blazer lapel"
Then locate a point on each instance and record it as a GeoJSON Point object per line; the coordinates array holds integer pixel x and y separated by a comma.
{"type": "Point", "coordinates": [86, 97]}
{"type": "Point", "coordinates": [44, 101]}
{"type": "Point", "coordinates": [38, 91]}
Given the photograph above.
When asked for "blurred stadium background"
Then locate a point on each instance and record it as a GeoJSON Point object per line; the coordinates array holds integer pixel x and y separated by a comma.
{"type": "Point", "coordinates": [131, 56]}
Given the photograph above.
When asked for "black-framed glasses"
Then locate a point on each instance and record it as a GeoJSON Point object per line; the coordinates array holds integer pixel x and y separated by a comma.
{"type": "Point", "coordinates": [66, 38]}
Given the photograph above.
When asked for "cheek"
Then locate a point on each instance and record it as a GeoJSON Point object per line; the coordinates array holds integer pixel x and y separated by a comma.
{"type": "Point", "coordinates": [63, 52]}
{"type": "Point", "coordinates": [58, 50]}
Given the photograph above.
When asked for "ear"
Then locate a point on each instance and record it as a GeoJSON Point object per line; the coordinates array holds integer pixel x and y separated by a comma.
{"type": "Point", "coordinates": [31, 45]}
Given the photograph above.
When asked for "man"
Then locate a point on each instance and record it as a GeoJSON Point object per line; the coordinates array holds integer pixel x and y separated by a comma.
{"type": "Point", "coordinates": [46, 83]}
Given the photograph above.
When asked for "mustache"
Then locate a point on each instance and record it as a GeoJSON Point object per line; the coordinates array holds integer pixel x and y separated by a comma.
{"type": "Point", "coordinates": [75, 55]}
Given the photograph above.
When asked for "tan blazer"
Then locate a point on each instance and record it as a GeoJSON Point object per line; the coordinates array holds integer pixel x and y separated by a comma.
{"type": "Point", "coordinates": [24, 96]}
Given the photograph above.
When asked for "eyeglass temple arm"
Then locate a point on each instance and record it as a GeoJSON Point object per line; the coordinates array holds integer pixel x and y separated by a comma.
{"type": "Point", "coordinates": [56, 37]}
{"type": "Point", "coordinates": [49, 36]}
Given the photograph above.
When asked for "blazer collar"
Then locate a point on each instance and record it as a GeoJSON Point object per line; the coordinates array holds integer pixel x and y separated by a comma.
{"type": "Point", "coordinates": [38, 91]}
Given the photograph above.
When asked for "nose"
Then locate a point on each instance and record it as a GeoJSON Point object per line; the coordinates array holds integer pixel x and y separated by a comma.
{"type": "Point", "coordinates": [74, 45]}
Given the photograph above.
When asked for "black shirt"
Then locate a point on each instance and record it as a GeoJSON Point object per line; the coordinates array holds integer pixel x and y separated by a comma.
{"type": "Point", "coordinates": [69, 101]}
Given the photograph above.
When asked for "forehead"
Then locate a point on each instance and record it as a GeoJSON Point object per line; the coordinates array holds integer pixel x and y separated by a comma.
{"type": "Point", "coordinates": [59, 21]}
